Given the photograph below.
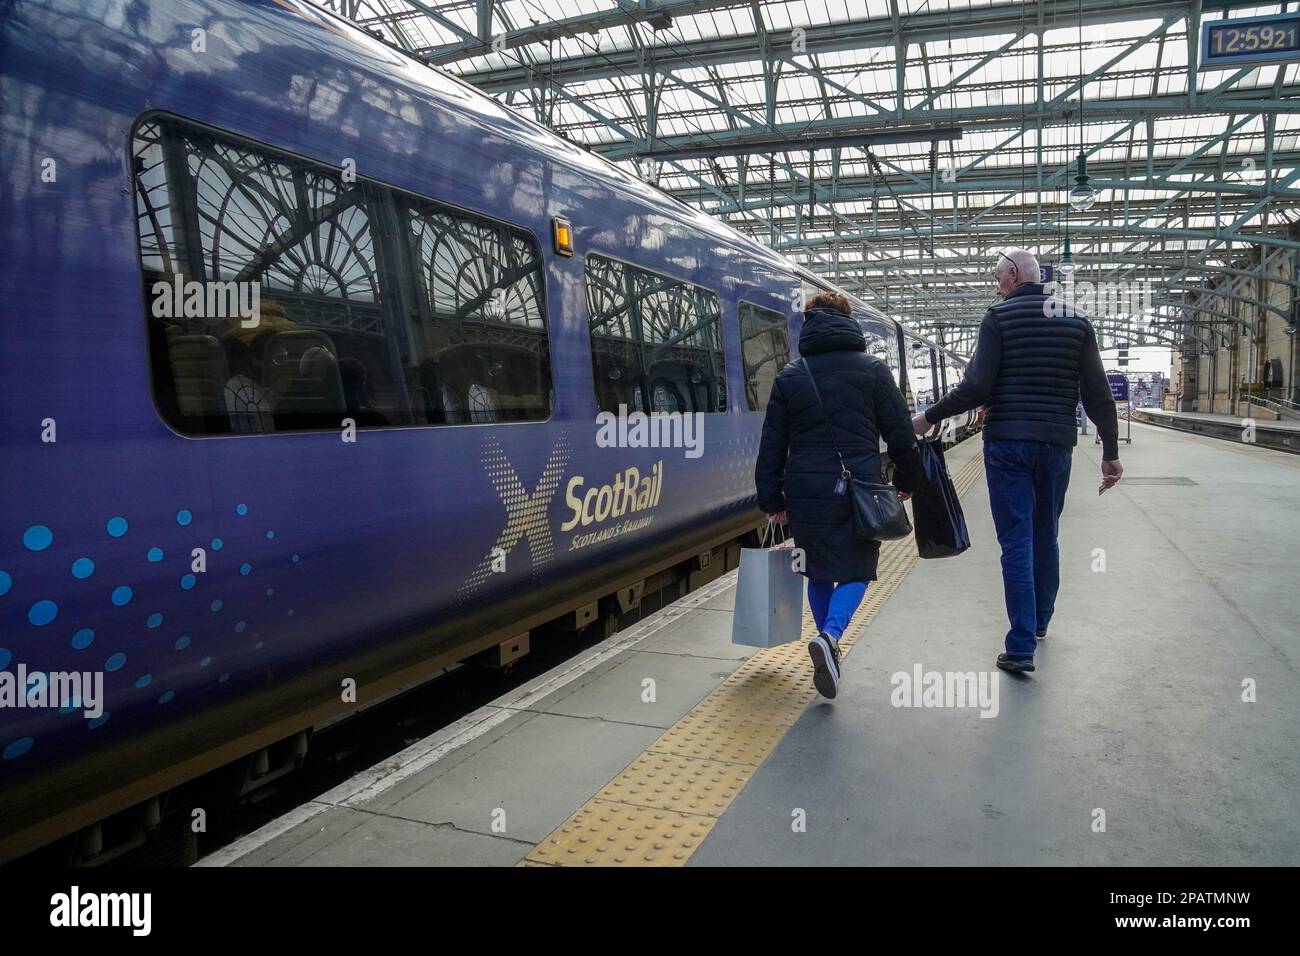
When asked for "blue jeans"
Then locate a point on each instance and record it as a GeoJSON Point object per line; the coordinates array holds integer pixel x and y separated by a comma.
{"type": "Point", "coordinates": [833, 604]}
{"type": "Point", "coordinates": [1027, 482]}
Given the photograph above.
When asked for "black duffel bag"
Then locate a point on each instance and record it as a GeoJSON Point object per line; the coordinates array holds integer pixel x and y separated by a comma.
{"type": "Point", "coordinates": [940, 525]}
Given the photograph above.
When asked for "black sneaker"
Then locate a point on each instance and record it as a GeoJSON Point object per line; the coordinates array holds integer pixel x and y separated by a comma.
{"type": "Point", "coordinates": [1040, 633]}
{"type": "Point", "coordinates": [826, 665]}
{"type": "Point", "coordinates": [1016, 665]}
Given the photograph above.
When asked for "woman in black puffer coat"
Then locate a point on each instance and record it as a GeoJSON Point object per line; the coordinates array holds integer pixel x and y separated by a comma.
{"type": "Point", "coordinates": [797, 468]}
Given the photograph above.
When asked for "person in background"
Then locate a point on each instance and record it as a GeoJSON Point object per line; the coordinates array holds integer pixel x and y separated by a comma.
{"type": "Point", "coordinates": [1035, 357]}
{"type": "Point", "coordinates": [798, 473]}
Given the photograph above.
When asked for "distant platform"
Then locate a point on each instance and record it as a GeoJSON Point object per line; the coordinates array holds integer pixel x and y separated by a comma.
{"type": "Point", "coordinates": [1280, 435]}
{"type": "Point", "coordinates": [1158, 729]}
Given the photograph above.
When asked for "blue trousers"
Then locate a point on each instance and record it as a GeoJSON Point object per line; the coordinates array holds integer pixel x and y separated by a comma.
{"type": "Point", "coordinates": [1027, 482]}
{"type": "Point", "coordinates": [833, 604]}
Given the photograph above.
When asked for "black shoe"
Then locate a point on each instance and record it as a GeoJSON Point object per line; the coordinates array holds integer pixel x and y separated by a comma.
{"type": "Point", "coordinates": [1040, 633]}
{"type": "Point", "coordinates": [826, 665]}
{"type": "Point", "coordinates": [1016, 665]}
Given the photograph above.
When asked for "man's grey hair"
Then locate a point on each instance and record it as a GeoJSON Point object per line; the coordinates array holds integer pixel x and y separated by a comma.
{"type": "Point", "coordinates": [1026, 264]}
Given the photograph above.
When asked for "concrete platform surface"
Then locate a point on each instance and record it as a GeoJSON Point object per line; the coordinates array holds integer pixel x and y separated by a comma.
{"type": "Point", "coordinates": [1259, 418]}
{"type": "Point", "coordinates": [1131, 744]}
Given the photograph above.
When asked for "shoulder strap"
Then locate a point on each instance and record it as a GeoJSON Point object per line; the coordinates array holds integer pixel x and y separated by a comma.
{"type": "Point", "coordinates": [818, 395]}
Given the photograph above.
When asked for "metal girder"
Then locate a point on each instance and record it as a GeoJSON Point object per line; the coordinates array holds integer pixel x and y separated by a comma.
{"type": "Point", "coordinates": [777, 144]}
{"type": "Point", "coordinates": [998, 19]}
{"type": "Point", "coordinates": [1124, 110]}
{"type": "Point", "coordinates": [1229, 318]}
{"type": "Point", "coordinates": [1222, 292]}
{"type": "Point", "coordinates": [1200, 235]}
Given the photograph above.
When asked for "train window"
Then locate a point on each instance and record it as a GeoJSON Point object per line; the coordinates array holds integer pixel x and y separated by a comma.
{"type": "Point", "coordinates": [765, 348]}
{"type": "Point", "coordinates": [656, 342]}
{"type": "Point", "coordinates": [882, 342]}
{"type": "Point", "coordinates": [280, 296]}
{"type": "Point", "coordinates": [482, 352]}
{"type": "Point", "coordinates": [922, 375]}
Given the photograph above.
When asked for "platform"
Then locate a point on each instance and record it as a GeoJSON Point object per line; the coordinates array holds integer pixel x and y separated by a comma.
{"type": "Point", "coordinates": [1282, 435]}
{"type": "Point", "coordinates": [1136, 710]}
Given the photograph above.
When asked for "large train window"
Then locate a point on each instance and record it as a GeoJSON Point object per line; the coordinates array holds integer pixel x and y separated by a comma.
{"type": "Point", "coordinates": [479, 327]}
{"type": "Point", "coordinates": [882, 342]}
{"type": "Point", "coordinates": [765, 348]}
{"type": "Point", "coordinates": [350, 321]}
{"type": "Point", "coordinates": [922, 376]}
{"type": "Point", "coordinates": [656, 342]}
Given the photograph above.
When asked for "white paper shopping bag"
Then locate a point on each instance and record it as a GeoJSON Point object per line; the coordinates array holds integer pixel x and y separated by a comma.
{"type": "Point", "coordinates": [769, 598]}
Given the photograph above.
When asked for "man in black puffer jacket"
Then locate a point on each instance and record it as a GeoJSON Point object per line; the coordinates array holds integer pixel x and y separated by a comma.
{"type": "Point", "coordinates": [1035, 358]}
{"type": "Point", "coordinates": [797, 470]}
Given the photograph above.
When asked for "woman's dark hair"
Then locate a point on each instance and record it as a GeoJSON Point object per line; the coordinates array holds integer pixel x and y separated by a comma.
{"type": "Point", "coordinates": [830, 300]}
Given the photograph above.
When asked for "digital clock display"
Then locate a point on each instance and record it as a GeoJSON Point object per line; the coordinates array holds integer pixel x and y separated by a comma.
{"type": "Point", "coordinates": [1251, 40]}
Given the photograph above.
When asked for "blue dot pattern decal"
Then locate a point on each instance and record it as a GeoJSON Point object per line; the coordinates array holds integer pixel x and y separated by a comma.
{"type": "Point", "coordinates": [42, 612]}
{"type": "Point", "coordinates": [76, 611]}
{"type": "Point", "coordinates": [17, 748]}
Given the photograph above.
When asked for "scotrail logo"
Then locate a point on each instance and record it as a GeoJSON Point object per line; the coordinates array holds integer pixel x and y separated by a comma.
{"type": "Point", "coordinates": [629, 493]}
{"type": "Point", "coordinates": [656, 430]}
{"type": "Point", "coordinates": [946, 689]}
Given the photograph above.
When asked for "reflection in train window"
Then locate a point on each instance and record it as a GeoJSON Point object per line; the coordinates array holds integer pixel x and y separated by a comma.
{"type": "Point", "coordinates": [354, 323]}
{"type": "Point", "coordinates": [656, 342]}
{"type": "Point", "coordinates": [922, 376]}
{"type": "Point", "coordinates": [882, 342]}
{"type": "Point", "coordinates": [480, 333]}
{"type": "Point", "coordinates": [765, 348]}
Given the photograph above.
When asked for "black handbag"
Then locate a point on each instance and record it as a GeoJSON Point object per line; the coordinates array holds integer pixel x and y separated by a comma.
{"type": "Point", "coordinates": [878, 514]}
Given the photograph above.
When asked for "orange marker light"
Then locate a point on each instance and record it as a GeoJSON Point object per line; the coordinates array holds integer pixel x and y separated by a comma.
{"type": "Point", "coordinates": [563, 231]}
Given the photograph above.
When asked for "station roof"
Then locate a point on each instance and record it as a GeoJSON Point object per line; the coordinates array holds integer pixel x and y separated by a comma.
{"type": "Point", "coordinates": [896, 146]}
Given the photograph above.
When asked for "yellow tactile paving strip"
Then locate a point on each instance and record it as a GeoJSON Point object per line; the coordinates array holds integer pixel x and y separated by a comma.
{"type": "Point", "coordinates": [662, 805]}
